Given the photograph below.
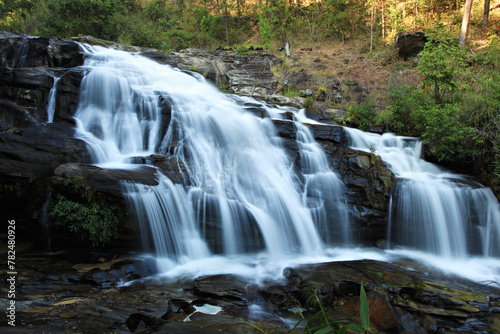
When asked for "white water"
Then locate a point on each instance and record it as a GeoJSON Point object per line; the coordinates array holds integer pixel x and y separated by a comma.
{"type": "Point", "coordinates": [245, 198]}
{"type": "Point", "coordinates": [51, 106]}
{"type": "Point", "coordinates": [248, 209]}
{"type": "Point", "coordinates": [433, 210]}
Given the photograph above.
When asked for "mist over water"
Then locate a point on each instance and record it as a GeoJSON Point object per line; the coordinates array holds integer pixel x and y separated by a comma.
{"type": "Point", "coordinates": [247, 207]}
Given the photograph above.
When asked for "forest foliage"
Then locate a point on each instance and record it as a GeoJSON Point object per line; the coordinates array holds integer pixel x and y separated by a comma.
{"type": "Point", "coordinates": [456, 110]}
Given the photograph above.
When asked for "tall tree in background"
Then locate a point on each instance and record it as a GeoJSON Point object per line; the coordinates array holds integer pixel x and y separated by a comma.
{"type": "Point", "coordinates": [465, 22]}
{"type": "Point", "coordinates": [486, 13]}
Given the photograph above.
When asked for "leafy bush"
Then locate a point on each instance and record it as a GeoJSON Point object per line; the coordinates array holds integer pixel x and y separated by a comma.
{"type": "Point", "coordinates": [444, 135]}
{"type": "Point", "coordinates": [363, 115]}
{"type": "Point", "coordinates": [440, 62]}
{"type": "Point", "coordinates": [93, 222]}
{"type": "Point", "coordinates": [245, 50]}
{"type": "Point", "coordinates": [403, 101]}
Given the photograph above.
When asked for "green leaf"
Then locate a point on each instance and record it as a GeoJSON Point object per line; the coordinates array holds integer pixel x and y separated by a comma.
{"type": "Point", "coordinates": [354, 327]}
{"type": "Point", "coordinates": [363, 305]}
{"type": "Point", "coordinates": [325, 330]}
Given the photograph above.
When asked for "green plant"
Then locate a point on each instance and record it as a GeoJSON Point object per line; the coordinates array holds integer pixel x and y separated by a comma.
{"type": "Point", "coordinates": [440, 62]}
{"type": "Point", "coordinates": [321, 323]}
{"type": "Point", "coordinates": [265, 30]}
{"type": "Point", "coordinates": [290, 92]}
{"type": "Point", "coordinates": [362, 114]}
{"type": "Point", "coordinates": [309, 102]}
{"type": "Point", "coordinates": [94, 222]}
{"type": "Point", "coordinates": [245, 50]}
{"type": "Point", "coordinates": [12, 189]}
{"type": "Point", "coordinates": [443, 133]}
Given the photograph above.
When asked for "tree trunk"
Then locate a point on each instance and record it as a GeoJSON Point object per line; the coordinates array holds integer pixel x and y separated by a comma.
{"type": "Point", "coordinates": [383, 22]}
{"type": "Point", "coordinates": [486, 13]}
{"type": "Point", "coordinates": [371, 29]}
{"type": "Point", "coordinates": [416, 15]}
{"type": "Point", "coordinates": [465, 22]}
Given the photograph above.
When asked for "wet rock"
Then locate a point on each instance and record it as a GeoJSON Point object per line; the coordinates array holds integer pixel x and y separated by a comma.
{"type": "Point", "coordinates": [21, 50]}
{"type": "Point", "coordinates": [225, 286]}
{"type": "Point", "coordinates": [382, 315]}
{"type": "Point", "coordinates": [408, 324]}
{"type": "Point", "coordinates": [396, 295]}
{"type": "Point", "coordinates": [104, 180]}
{"type": "Point", "coordinates": [367, 189]}
{"type": "Point", "coordinates": [34, 152]}
{"type": "Point", "coordinates": [173, 168]}
{"type": "Point", "coordinates": [151, 323]}
{"type": "Point", "coordinates": [68, 93]}
{"type": "Point", "coordinates": [29, 88]}
{"type": "Point", "coordinates": [329, 133]}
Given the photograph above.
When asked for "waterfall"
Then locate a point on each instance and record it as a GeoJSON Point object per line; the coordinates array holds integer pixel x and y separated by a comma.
{"type": "Point", "coordinates": [243, 195]}
{"type": "Point", "coordinates": [433, 210]}
{"type": "Point", "coordinates": [51, 106]}
{"type": "Point", "coordinates": [21, 58]}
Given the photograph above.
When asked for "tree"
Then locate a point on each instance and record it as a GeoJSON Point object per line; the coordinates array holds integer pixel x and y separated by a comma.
{"type": "Point", "coordinates": [465, 22]}
{"type": "Point", "coordinates": [486, 13]}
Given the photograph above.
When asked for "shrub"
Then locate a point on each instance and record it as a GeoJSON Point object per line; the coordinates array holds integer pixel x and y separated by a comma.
{"type": "Point", "coordinates": [444, 135]}
{"type": "Point", "coordinates": [92, 222]}
{"type": "Point", "coordinates": [363, 115]}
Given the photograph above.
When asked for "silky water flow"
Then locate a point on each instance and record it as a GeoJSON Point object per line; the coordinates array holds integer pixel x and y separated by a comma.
{"type": "Point", "coordinates": [245, 207]}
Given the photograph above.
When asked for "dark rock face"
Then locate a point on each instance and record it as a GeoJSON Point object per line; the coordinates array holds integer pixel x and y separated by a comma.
{"type": "Point", "coordinates": [368, 182]}
{"type": "Point", "coordinates": [30, 148]}
{"type": "Point", "coordinates": [28, 51]}
{"type": "Point", "coordinates": [68, 92]}
{"type": "Point", "coordinates": [410, 44]}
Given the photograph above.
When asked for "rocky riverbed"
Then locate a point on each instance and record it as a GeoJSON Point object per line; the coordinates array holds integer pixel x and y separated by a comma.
{"type": "Point", "coordinates": [82, 292]}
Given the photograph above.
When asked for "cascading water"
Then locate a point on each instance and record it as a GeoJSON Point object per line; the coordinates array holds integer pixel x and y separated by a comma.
{"type": "Point", "coordinates": [245, 207]}
{"type": "Point", "coordinates": [432, 210]}
{"type": "Point", "coordinates": [51, 106]}
{"type": "Point", "coordinates": [244, 195]}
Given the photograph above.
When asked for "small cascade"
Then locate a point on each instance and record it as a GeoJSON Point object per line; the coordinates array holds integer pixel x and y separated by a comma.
{"type": "Point", "coordinates": [323, 190]}
{"type": "Point", "coordinates": [21, 58]}
{"type": "Point", "coordinates": [434, 210]}
{"type": "Point", "coordinates": [243, 196]}
{"type": "Point", "coordinates": [51, 106]}
{"type": "Point", "coordinates": [166, 221]}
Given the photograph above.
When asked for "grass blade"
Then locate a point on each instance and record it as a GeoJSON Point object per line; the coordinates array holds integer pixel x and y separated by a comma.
{"type": "Point", "coordinates": [363, 305]}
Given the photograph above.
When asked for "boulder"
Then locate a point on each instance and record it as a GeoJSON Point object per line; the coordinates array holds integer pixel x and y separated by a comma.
{"type": "Point", "coordinates": [30, 153]}
{"type": "Point", "coordinates": [221, 286]}
{"type": "Point", "coordinates": [409, 44]}
{"type": "Point", "coordinates": [104, 180]}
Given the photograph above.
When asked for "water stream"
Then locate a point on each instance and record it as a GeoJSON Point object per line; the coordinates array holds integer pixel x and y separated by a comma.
{"type": "Point", "coordinates": [246, 207]}
{"type": "Point", "coordinates": [434, 210]}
